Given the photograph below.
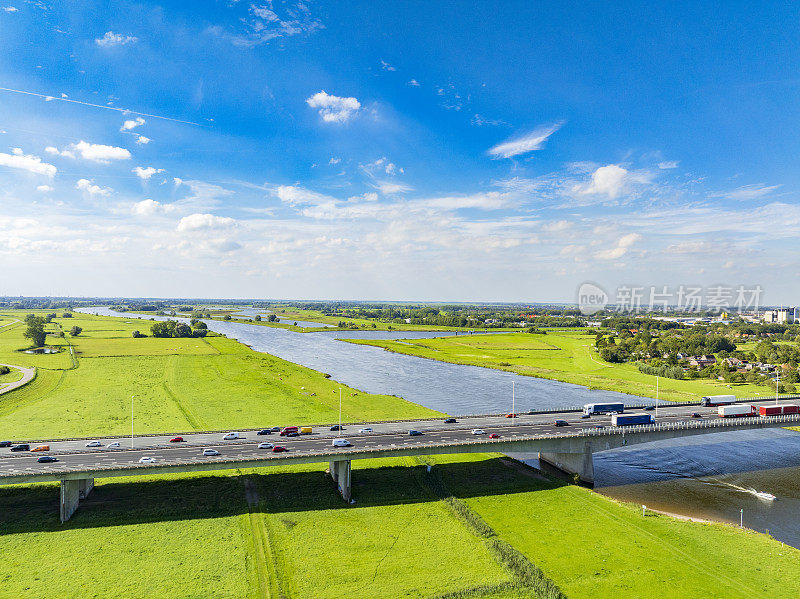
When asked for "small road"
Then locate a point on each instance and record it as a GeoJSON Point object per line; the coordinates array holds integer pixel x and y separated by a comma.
{"type": "Point", "coordinates": [27, 377]}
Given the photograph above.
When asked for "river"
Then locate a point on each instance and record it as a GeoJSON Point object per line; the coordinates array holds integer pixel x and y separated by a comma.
{"type": "Point", "coordinates": [710, 476]}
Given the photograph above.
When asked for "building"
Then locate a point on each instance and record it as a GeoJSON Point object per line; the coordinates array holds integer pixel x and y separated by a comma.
{"type": "Point", "coordinates": [781, 316]}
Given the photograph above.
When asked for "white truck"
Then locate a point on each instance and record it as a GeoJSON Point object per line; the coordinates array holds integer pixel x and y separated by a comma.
{"type": "Point", "coordinates": [737, 410]}
{"type": "Point", "coordinates": [717, 400]}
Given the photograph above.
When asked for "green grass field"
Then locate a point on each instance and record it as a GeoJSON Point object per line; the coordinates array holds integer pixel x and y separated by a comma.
{"type": "Point", "coordinates": [176, 385]}
{"type": "Point", "coordinates": [284, 532]}
{"type": "Point", "coordinates": [559, 355]}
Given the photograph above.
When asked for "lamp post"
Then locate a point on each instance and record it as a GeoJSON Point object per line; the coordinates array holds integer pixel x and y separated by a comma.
{"type": "Point", "coordinates": [513, 401]}
{"type": "Point", "coordinates": [340, 410]}
{"type": "Point", "coordinates": [132, 396]}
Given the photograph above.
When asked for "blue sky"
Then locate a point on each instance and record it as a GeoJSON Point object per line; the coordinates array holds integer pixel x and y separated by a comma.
{"type": "Point", "coordinates": [434, 151]}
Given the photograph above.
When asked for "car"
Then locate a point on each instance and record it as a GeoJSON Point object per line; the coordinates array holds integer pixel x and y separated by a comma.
{"type": "Point", "coordinates": [265, 446]}
{"type": "Point", "coordinates": [478, 431]}
{"type": "Point", "coordinates": [265, 431]}
{"type": "Point", "coordinates": [450, 420]}
{"type": "Point", "coordinates": [289, 429]}
{"type": "Point", "coordinates": [341, 443]}
{"type": "Point", "coordinates": [94, 444]}
{"type": "Point", "coordinates": [176, 440]}
{"type": "Point", "coordinates": [21, 447]}
{"type": "Point", "coordinates": [147, 460]}
{"type": "Point", "coordinates": [41, 448]}
{"type": "Point", "coordinates": [231, 437]}
{"type": "Point", "coordinates": [45, 459]}
{"type": "Point", "coordinates": [585, 416]}
{"type": "Point", "coordinates": [275, 429]}
{"type": "Point", "coordinates": [494, 436]}
{"type": "Point", "coordinates": [414, 433]}
{"type": "Point", "coordinates": [278, 449]}
{"type": "Point", "coordinates": [365, 430]}
{"type": "Point", "coordinates": [696, 415]}
{"type": "Point", "coordinates": [560, 422]}
{"type": "Point", "coordinates": [5, 443]}
{"type": "Point", "coordinates": [649, 408]}
{"type": "Point", "coordinates": [511, 415]}
{"type": "Point", "coordinates": [337, 427]}
{"type": "Point", "coordinates": [599, 426]}
{"type": "Point", "coordinates": [292, 434]}
{"type": "Point", "coordinates": [210, 451]}
{"type": "Point", "coordinates": [113, 445]}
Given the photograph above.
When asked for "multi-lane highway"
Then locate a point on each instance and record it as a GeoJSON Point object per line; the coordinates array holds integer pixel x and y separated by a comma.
{"type": "Point", "coordinates": [74, 455]}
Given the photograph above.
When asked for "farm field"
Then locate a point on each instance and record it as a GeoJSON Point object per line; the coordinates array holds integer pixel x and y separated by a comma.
{"type": "Point", "coordinates": [566, 356]}
{"type": "Point", "coordinates": [285, 532]}
{"type": "Point", "coordinates": [176, 384]}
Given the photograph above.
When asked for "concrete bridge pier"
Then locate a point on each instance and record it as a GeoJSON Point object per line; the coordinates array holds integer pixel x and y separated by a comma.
{"type": "Point", "coordinates": [72, 491]}
{"type": "Point", "coordinates": [573, 463]}
{"type": "Point", "coordinates": [340, 473]}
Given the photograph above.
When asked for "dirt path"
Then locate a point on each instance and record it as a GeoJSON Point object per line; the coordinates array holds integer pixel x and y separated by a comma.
{"type": "Point", "coordinates": [27, 377]}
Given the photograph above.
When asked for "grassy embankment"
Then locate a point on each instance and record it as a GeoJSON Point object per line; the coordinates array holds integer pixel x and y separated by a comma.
{"type": "Point", "coordinates": [559, 355]}
{"type": "Point", "coordinates": [284, 532]}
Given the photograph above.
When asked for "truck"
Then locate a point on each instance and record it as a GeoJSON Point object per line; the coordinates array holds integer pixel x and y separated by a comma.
{"type": "Point", "coordinates": [736, 411]}
{"type": "Point", "coordinates": [305, 430]}
{"type": "Point", "coordinates": [717, 400]}
{"type": "Point", "coordinates": [603, 408]}
{"type": "Point", "coordinates": [778, 409]}
{"type": "Point", "coordinates": [631, 419]}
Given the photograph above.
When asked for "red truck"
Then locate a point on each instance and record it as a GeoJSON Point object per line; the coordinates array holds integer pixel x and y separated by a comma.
{"type": "Point", "coordinates": [778, 409]}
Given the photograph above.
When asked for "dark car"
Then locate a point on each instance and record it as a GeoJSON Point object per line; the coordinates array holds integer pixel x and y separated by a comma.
{"type": "Point", "coordinates": [561, 423]}
{"type": "Point", "coordinates": [584, 416]}
{"type": "Point", "coordinates": [265, 431]}
{"type": "Point", "coordinates": [696, 415]}
{"type": "Point", "coordinates": [5, 443]}
{"type": "Point", "coordinates": [292, 434]}
{"type": "Point", "coordinates": [44, 459]}
{"type": "Point", "coordinates": [450, 421]}
{"type": "Point", "coordinates": [649, 408]}
{"type": "Point", "coordinates": [337, 427]}
{"type": "Point", "coordinates": [414, 433]}
{"type": "Point", "coordinates": [275, 429]}
{"type": "Point", "coordinates": [21, 447]}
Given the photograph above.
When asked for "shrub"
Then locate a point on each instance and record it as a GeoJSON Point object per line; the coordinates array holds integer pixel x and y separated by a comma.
{"type": "Point", "coordinates": [75, 331]}
{"type": "Point", "coordinates": [66, 315]}
{"type": "Point", "coordinates": [4, 370]}
{"type": "Point", "coordinates": [137, 335]}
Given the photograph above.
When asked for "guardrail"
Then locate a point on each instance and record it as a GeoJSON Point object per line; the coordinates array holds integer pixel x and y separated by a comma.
{"type": "Point", "coordinates": [685, 425]}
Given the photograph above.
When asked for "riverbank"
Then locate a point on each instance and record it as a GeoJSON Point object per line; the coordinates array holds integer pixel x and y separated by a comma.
{"type": "Point", "coordinates": [566, 356]}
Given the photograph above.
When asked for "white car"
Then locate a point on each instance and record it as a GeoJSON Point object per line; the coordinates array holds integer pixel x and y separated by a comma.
{"type": "Point", "coordinates": [265, 445]}
{"type": "Point", "coordinates": [231, 437]}
{"type": "Point", "coordinates": [147, 460]}
{"type": "Point", "coordinates": [94, 444]}
{"type": "Point", "coordinates": [365, 430]}
{"type": "Point", "coordinates": [210, 452]}
{"type": "Point", "coordinates": [478, 431]}
{"type": "Point", "coordinates": [113, 445]}
{"type": "Point", "coordinates": [341, 443]}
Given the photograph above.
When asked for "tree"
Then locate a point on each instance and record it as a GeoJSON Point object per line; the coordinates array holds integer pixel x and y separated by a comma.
{"type": "Point", "coordinates": [35, 331]}
{"type": "Point", "coordinates": [226, 317]}
{"type": "Point", "coordinates": [182, 330]}
{"type": "Point", "coordinates": [258, 318]}
{"type": "Point", "coordinates": [272, 318]}
{"type": "Point", "coordinates": [75, 331]}
{"type": "Point", "coordinates": [137, 334]}
{"type": "Point", "coordinates": [66, 315]}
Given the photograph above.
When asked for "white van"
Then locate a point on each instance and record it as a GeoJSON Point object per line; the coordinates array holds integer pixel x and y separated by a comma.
{"type": "Point", "coordinates": [341, 443]}
{"type": "Point", "coordinates": [231, 436]}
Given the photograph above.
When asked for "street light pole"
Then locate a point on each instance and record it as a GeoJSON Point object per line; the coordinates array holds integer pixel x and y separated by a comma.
{"type": "Point", "coordinates": [132, 396]}
{"type": "Point", "coordinates": [513, 400]}
{"type": "Point", "coordinates": [656, 396]}
{"type": "Point", "coordinates": [340, 410]}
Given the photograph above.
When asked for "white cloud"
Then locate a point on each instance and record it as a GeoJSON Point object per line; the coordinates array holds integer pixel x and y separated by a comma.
{"type": "Point", "coordinates": [99, 152]}
{"type": "Point", "coordinates": [142, 140]}
{"type": "Point", "coordinates": [746, 192]}
{"type": "Point", "coordinates": [391, 188]}
{"type": "Point", "coordinates": [624, 243]}
{"type": "Point", "coordinates": [55, 152]}
{"type": "Point", "coordinates": [607, 180]}
{"type": "Point", "coordinates": [380, 166]}
{"type": "Point", "coordinates": [146, 208]}
{"type": "Point", "coordinates": [10, 8]}
{"type": "Point", "coordinates": [386, 66]}
{"type": "Point", "coordinates": [145, 173]}
{"type": "Point", "coordinates": [492, 200]}
{"type": "Point", "coordinates": [132, 124]}
{"type": "Point", "coordinates": [44, 188]}
{"type": "Point", "coordinates": [111, 39]}
{"type": "Point", "coordinates": [334, 109]}
{"type": "Point", "coordinates": [92, 189]}
{"type": "Point", "coordinates": [413, 83]}
{"type": "Point", "coordinates": [334, 161]}
{"type": "Point", "coordinates": [195, 222]}
{"type": "Point", "coordinates": [177, 181]}
{"type": "Point", "coordinates": [668, 164]}
{"type": "Point", "coordinates": [300, 196]}
{"type": "Point", "coordinates": [526, 143]}
{"type": "Point", "coordinates": [27, 162]}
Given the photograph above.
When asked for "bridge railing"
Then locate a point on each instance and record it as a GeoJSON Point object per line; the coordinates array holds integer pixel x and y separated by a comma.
{"type": "Point", "coordinates": [685, 425]}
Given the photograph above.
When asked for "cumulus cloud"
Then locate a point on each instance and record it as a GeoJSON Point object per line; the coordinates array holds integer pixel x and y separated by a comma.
{"type": "Point", "coordinates": [144, 173]}
{"type": "Point", "coordinates": [525, 143]}
{"type": "Point", "coordinates": [92, 189]}
{"type": "Point", "coordinates": [111, 39]}
{"type": "Point", "coordinates": [624, 243]}
{"type": "Point", "coordinates": [27, 162]}
{"type": "Point", "coordinates": [56, 152]}
{"type": "Point", "coordinates": [334, 109]}
{"type": "Point", "coordinates": [612, 181]}
{"type": "Point", "coordinates": [413, 83]}
{"type": "Point", "coordinates": [142, 140]}
{"type": "Point", "coordinates": [146, 208]}
{"type": "Point", "coordinates": [195, 222]}
{"type": "Point", "coordinates": [132, 124]}
{"type": "Point", "coordinates": [44, 188]}
{"type": "Point", "coordinates": [99, 152]}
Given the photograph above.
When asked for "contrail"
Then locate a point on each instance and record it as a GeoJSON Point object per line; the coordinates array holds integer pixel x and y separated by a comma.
{"type": "Point", "coordinates": [122, 110]}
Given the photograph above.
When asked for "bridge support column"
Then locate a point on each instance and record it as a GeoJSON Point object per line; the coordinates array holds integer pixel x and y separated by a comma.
{"type": "Point", "coordinates": [573, 463]}
{"type": "Point", "coordinates": [340, 473]}
{"type": "Point", "coordinates": [72, 491]}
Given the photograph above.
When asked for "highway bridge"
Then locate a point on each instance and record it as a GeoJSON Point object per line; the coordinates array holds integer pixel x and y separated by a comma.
{"type": "Point", "coordinates": [569, 447]}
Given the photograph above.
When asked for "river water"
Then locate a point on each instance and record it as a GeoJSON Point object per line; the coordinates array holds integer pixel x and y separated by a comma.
{"type": "Point", "coordinates": [710, 476]}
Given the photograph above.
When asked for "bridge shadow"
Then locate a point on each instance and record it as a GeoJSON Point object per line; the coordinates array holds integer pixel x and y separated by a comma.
{"type": "Point", "coordinates": [117, 502]}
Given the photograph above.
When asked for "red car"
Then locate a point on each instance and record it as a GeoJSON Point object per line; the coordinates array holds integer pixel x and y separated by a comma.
{"type": "Point", "coordinates": [512, 415]}
{"type": "Point", "coordinates": [494, 436]}
{"type": "Point", "coordinates": [289, 429]}
{"type": "Point", "coordinates": [278, 449]}
{"type": "Point", "coordinates": [176, 440]}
